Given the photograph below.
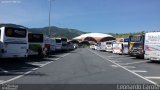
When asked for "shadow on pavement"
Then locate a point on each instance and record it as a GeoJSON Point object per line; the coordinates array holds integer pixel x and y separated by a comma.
{"type": "Point", "coordinates": [14, 67]}
{"type": "Point", "coordinates": [154, 62]}
{"type": "Point", "coordinates": [137, 58]}
{"type": "Point", "coordinates": [37, 59]}
{"type": "Point", "coordinates": [21, 73]}
{"type": "Point", "coordinates": [18, 66]}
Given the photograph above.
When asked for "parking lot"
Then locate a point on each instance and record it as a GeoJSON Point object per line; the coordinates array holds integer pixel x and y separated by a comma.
{"type": "Point", "coordinates": [145, 69]}
{"type": "Point", "coordinates": [12, 69]}
{"type": "Point", "coordinates": [81, 66]}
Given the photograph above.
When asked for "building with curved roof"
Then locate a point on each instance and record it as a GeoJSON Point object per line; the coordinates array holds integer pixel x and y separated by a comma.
{"type": "Point", "coordinates": [96, 37]}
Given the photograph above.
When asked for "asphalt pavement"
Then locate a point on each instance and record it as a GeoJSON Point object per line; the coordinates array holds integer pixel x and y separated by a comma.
{"type": "Point", "coordinates": [77, 69]}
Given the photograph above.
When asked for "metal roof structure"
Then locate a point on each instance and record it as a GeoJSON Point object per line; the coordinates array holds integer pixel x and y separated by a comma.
{"type": "Point", "coordinates": [97, 37]}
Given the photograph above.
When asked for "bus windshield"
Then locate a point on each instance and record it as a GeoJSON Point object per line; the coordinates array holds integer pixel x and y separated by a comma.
{"type": "Point", "coordinates": [136, 44]}
{"type": "Point", "coordinates": [15, 32]}
{"type": "Point", "coordinates": [108, 42]}
{"type": "Point", "coordinates": [64, 39]}
{"type": "Point", "coordinates": [58, 41]}
{"type": "Point", "coordinates": [126, 40]}
{"type": "Point", "coordinates": [35, 37]}
{"type": "Point", "coordinates": [136, 38]}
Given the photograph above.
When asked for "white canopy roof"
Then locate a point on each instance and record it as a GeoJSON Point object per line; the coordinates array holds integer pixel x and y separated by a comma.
{"type": "Point", "coordinates": [101, 35]}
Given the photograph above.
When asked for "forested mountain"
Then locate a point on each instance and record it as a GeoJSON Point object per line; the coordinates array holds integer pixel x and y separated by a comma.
{"type": "Point", "coordinates": [69, 33]}
{"type": "Point", "coordinates": [55, 31]}
{"type": "Point", "coordinates": [58, 32]}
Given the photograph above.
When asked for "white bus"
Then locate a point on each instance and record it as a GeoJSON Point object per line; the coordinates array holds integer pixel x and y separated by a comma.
{"type": "Point", "coordinates": [103, 46]}
{"type": "Point", "coordinates": [109, 46]}
{"type": "Point", "coordinates": [53, 45]}
{"type": "Point", "coordinates": [124, 42]}
{"type": "Point", "coordinates": [117, 48]}
{"type": "Point", "coordinates": [64, 44]}
{"type": "Point", "coordinates": [58, 44]}
{"type": "Point", "coordinates": [47, 46]}
{"type": "Point", "coordinates": [152, 46]}
{"type": "Point", "coordinates": [36, 44]}
{"type": "Point", "coordinates": [14, 42]}
{"type": "Point", "coordinates": [97, 46]}
{"type": "Point", "coordinates": [70, 46]}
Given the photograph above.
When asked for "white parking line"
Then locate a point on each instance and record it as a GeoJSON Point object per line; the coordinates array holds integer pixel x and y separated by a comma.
{"type": "Point", "coordinates": [122, 63]}
{"type": "Point", "coordinates": [112, 56]}
{"type": "Point", "coordinates": [131, 63]}
{"type": "Point", "coordinates": [150, 77]}
{"type": "Point", "coordinates": [5, 71]}
{"type": "Point", "coordinates": [65, 55]}
{"type": "Point", "coordinates": [54, 59]}
{"type": "Point", "coordinates": [150, 81]}
{"type": "Point", "coordinates": [123, 58]}
{"type": "Point", "coordinates": [135, 62]}
{"type": "Point", "coordinates": [117, 61]}
{"type": "Point", "coordinates": [17, 77]}
{"type": "Point", "coordinates": [1, 80]}
{"type": "Point", "coordinates": [114, 66]}
{"type": "Point", "coordinates": [129, 66]}
{"type": "Point", "coordinates": [37, 64]}
{"type": "Point", "coordinates": [138, 71]}
{"type": "Point", "coordinates": [46, 64]}
{"type": "Point", "coordinates": [35, 69]}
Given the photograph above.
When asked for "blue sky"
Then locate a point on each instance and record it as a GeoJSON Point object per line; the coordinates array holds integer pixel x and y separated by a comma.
{"type": "Point", "coordinates": [108, 16]}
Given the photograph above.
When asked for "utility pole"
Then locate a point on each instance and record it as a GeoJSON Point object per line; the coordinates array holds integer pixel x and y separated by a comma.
{"type": "Point", "coordinates": [49, 28]}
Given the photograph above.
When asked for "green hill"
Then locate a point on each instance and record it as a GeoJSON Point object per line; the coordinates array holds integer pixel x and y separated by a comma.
{"type": "Point", "coordinates": [55, 31]}
{"type": "Point", "coordinates": [126, 35]}
{"type": "Point", "coordinates": [58, 32]}
{"type": "Point", "coordinates": [69, 33]}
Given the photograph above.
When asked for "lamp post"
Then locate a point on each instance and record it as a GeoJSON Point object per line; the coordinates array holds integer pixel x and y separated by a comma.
{"type": "Point", "coordinates": [49, 28]}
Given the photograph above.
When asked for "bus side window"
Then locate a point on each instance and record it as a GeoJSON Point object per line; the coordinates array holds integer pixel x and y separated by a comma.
{"type": "Point", "coordinates": [0, 34]}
